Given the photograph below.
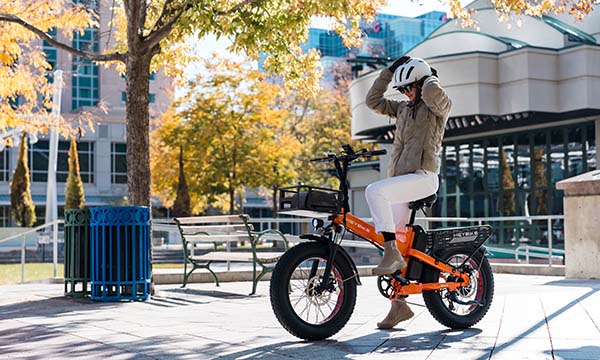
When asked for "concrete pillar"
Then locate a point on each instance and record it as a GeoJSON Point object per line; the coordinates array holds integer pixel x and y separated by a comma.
{"type": "Point", "coordinates": [582, 225]}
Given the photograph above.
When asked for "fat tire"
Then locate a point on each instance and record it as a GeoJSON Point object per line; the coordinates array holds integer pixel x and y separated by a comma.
{"type": "Point", "coordinates": [436, 306]}
{"type": "Point", "coordinates": [280, 300]}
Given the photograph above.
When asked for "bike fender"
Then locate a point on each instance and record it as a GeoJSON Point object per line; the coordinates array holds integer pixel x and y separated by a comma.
{"type": "Point", "coordinates": [346, 256]}
{"type": "Point", "coordinates": [339, 252]}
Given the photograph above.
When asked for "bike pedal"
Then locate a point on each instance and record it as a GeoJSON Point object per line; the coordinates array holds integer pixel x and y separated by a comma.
{"type": "Point", "coordinates": [396, 276]}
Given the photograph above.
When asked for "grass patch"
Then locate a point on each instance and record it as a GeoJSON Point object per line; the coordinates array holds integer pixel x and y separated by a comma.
{"type": "Point", "coordinates": [11, 273]}
{"type": "Point", "coordinates": [167, 266]}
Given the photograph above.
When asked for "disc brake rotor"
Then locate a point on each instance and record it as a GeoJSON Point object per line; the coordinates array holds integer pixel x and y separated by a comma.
{"type": "Point", "coordinates": [318, 297]}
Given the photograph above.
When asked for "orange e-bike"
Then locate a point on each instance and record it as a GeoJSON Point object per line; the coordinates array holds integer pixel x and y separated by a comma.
{"type": "Point", "coordinates": [313, 286]}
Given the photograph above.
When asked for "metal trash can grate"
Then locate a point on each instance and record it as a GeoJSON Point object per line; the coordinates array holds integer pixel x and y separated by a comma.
{"type": "Point", "coordinates": [120, 253]}
{"type": "Point", "coordinates": [77, 252]}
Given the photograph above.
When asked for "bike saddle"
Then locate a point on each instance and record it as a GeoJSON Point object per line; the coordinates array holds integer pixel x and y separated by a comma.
{"type": "Point", "coordinates": [421, 203]}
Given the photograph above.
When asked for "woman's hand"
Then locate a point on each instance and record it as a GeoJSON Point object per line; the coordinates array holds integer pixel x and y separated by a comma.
{"type": "Point", "coordinates": [398, 63]}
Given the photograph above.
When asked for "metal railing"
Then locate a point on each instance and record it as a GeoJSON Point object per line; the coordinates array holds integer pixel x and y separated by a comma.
{"type": "Point", "coordinates": [23, 237]}
{"type": "Point", "coordinates": [292, 227]}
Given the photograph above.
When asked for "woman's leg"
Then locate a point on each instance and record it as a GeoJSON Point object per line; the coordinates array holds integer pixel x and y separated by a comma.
{"type": "Point", "coordinates": [388, 201]}
{"type": "Point", "coordinates": [388, 198]}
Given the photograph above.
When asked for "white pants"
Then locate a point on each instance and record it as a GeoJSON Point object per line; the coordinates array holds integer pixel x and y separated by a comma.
{"type": "Point", "coordinates": [388, 198]}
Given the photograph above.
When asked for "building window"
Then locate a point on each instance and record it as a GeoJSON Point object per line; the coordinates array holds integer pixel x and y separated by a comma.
{"type": "Point", "coordinates": [4, 165]}
{"type": "Point", "coordinates": [50, 52]}
{"type": "Point", "coordinates": [5, 216]}
{"type": "Point", "coordinates": [38, 161]}
{"type": "Point", "coordinates": [123, 97]}
{"type": "Point", "coordinates": [85, 72]}
{"type": "Point", "coordinates": [153, 75]}
{"type": "Point", "coordinates": [118, 163]}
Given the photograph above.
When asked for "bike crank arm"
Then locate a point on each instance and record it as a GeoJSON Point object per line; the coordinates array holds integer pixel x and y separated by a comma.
{"type": "Point", "coordinates": [452, 297]}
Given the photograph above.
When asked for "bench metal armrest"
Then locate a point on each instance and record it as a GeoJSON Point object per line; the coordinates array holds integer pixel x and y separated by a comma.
{"type": "Point", "coordinates": [257, 235]}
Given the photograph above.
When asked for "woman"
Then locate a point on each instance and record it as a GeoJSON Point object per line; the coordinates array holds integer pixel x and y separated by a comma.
{"type": "Point", "coordinates": [414, 165]}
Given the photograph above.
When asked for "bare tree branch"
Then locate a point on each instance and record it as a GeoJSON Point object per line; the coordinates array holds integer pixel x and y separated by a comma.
{"type": "Point", "coordinates": [143, 14]}
{"type": "Point", "coordinates": [57, 44]}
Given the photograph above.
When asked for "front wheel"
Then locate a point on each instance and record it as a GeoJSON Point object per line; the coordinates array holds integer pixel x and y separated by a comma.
{"type": "Point", "coordinates": [304, 306]}
{"type": "Point", "coordinates": [453, 309]}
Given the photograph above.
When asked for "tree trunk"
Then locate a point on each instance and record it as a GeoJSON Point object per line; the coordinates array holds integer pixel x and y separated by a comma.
{"type": "Point", "coordinates": [137, 87]}
{"type": "Point", "coordinates": [138, 127]}
{"type": "Point", "coordinates": [231, 198]}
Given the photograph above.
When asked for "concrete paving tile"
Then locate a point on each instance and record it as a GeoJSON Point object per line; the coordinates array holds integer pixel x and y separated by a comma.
{"type": "Point", "coordinates": [575, 343]}
{"type": "Point", "coordinates": [523, 344]}
{"type": "Point", "coordinates": [521, 355]}
{"type": "Point", "coordinates": [523, 316]}
{"type": "Point", "coordinates": [473, 343]}
{"type": "Point", "coordinates": [459, 353]}
{"type": "Point", "coordinates": [391, 353]}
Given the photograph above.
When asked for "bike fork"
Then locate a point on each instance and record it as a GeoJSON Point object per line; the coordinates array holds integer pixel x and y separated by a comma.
{"type": "Point", "coordinates": [332, 253]}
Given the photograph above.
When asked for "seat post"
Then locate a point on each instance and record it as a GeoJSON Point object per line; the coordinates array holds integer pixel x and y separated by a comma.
{"type": "Point", "coordinates": [413, 213]}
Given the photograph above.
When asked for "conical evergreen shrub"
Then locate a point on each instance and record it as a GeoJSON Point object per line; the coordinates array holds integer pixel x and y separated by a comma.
{"type": "Point", "coordinates": [181, 206]}
{"type": "Point", "coordinates": [74, 196]}
{"type": "Point", "coordinates": [508, 185]}
{"type": "Point", "coordinates": [21, 204]}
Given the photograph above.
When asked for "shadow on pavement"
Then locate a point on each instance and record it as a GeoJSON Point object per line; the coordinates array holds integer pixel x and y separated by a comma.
{"type": "Point", "coordinates": [582, 352]}
{"type": "Point", "coordinates": [594, 284]}
{"type": "Point", "coordinates": [388, 343]}
{"type": "Point", "coordinates": [211, 293]}
{"type": "Point", "coordinates": [55, 306]}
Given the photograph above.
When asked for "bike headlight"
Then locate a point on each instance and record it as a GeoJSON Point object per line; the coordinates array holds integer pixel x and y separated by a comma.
{"type": "Point", "coordinates": [317, 223]}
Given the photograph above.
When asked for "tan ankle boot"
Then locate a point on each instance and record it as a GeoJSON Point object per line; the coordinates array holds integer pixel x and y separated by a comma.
{"type": "Point", "coordinates": [391, 260]}
{"type": "Point", "coordinates": [398, 312]}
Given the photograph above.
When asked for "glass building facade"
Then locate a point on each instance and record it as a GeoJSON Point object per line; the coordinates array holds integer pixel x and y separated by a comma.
{"type": "Point", "coordinates": [85, 89]}
{"type": "Point", "coordinates": [387, 36]}
{"type": "Point", "coordinates": [85, 79]}
{"type": "Point", "coordinates": [514, 174]}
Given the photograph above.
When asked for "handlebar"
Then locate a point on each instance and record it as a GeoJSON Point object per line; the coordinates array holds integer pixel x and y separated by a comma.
{"type": "Point", "coordinates": [349, 155]}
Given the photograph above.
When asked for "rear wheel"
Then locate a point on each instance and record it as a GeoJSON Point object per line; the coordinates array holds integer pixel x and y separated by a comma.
{"type": "Point", "coordinates": [305, 308]}
{"type": "Point", "coordinates": [453, 309]}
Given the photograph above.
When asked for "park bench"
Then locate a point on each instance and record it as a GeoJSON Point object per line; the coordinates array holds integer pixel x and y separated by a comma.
{"type": "Point", "coordinates": [219, 230]}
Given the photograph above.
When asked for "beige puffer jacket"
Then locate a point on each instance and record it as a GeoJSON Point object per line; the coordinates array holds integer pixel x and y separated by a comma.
{"type": "Point", "coordinates": [417, 143]}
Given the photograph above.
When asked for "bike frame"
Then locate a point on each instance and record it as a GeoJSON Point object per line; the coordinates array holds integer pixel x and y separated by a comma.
{"type": "Point", "coordinates": [404, 240]}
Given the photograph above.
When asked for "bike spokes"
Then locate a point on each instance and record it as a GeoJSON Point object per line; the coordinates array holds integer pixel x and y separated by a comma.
{"type": "Point", "coordinates": [466, 298]}
{"type": "Point", "coordinates": [311, 300]}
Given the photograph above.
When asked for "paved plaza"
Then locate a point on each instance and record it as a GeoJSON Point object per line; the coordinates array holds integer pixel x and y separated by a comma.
{"type": "Point", "coordinates": [532, 317]}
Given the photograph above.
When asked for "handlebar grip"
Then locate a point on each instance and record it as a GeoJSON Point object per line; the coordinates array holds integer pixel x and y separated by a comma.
{"type": "Point", "coordinates": [378, 152]}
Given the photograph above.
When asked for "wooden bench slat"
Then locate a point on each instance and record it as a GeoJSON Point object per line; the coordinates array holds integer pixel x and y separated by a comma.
{"type": "Point", "coordinates": [217, 238]}
{"type": "Point", "coordinates": [228, 219]}
{"type": "Point", "coordinates": [238, 256]}
{"type": "Point", "coordinates": [187, 229]}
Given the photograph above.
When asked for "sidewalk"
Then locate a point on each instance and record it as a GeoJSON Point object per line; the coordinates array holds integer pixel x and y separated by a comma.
{"type": "Point", "coordinates": [532, 317]}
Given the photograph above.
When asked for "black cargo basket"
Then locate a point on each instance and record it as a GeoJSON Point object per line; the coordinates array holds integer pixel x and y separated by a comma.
{"type": "Point", "coordinates": [309, 201]}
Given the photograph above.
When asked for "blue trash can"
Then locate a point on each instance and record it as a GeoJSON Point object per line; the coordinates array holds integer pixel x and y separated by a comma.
{"type": "Point", "coordinates": [120, 253]}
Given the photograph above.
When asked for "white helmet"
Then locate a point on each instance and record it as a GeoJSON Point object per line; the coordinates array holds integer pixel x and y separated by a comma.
{"type": "Point", "coordinates": [413, 70]}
